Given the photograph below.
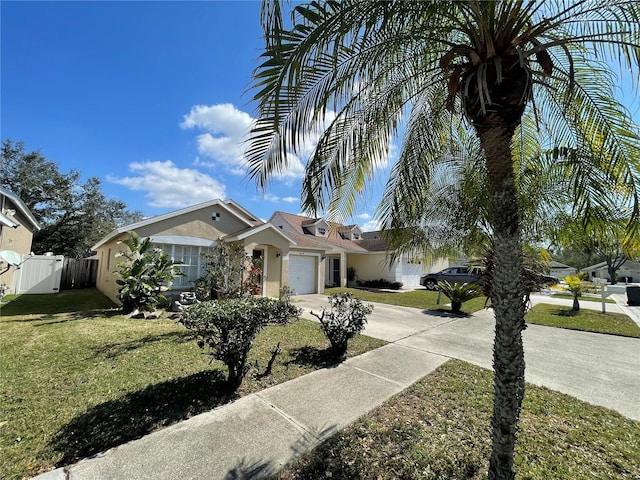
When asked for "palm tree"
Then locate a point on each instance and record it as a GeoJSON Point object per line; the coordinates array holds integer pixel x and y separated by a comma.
{"type": "Point", "coordinates": [356, 74]}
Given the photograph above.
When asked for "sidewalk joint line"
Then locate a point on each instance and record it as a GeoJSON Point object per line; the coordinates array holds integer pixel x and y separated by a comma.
{"type": "Point", "coordinates": [388, 380]}
{"type": "Point", "coordinates": [287, 417]}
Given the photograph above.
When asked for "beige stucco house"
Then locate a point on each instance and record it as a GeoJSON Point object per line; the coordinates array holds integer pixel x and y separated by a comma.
{"type": "Point", "coordinates": [17, 226]}
{"type": "Point", "coordinates": [305, 254]}
{"type": "Point", "coordinates": [328, 250]}
{"type": "Point", "coordinates": [188, 233]}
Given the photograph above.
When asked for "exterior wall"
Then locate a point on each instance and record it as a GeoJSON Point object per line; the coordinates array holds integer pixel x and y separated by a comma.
{"type": "Point", "coordinates": [273, 276]}
{"type": "Point", "coordinates": [198, 224]}
{"type": "Point", "coordinates": [274, 248]}
{"type": "Point", "coordinates": [17, 239]}
{"type": "Point", "coordinates": [372, 266]}
{"type": "Point", "coordinates": [375, 267]}
{"type": "Point", "coordinates": [106, 279]}
{"type": "Point", "coordinates": [195, 224]}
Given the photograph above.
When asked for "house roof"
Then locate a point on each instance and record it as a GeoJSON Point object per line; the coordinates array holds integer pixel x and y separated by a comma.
{"type": "Point", "coordinates": [248, 232]}
{"type": "Point", "coordinates": [372, 241]}
{"type": "Point", "coordinates": [554, 264]}
{"type": "Point", "coordinates": [295, 227]}
{"type": "Point", "coordinates": [629, 264]}
{"type": "Point", "coordinates": [19, 204]}
{"type": "Point", "coordinates": [232, 207]}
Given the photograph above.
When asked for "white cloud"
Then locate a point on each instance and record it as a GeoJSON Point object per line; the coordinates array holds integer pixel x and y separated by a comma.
{"type": "Point", "coordinates": [270, 197]}
{"type": "Point", "coordinates": [371, 226]}
{"type": "Point", "coordinates": [224, 130]}
{"type": "Point", "coordinates": [223, 118]}
{"type": "Point", "coordinates": [364, 216]}
{"type": "Point", "coordinates": [168, 186]}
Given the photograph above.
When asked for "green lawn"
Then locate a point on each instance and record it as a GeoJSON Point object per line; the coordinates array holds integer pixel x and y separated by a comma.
{"type": "Point", "coordinates": [423, 299]}
{"type": "Point", "coordinates": [585, 320]}
{"type": "Point", "coordinates": [569, 296]}
{"type": "Point", "coordinates": [438, 429]}
{"type": "Point", "coordinates": [78, 378]}
{"type": "Point", "coordinates": [542, 314]}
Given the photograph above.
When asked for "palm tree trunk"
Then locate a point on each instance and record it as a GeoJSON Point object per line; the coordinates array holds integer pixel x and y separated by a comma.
{"type": "Point", "coordinates": [576, 304]}
{"type": "Point", "coordinates": [507, 295]}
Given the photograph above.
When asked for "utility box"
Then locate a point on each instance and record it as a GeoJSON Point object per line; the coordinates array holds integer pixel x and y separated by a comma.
{"type": "Point", "coordinates": [633, 295]}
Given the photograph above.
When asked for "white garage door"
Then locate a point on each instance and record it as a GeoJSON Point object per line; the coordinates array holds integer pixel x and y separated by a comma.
{"type": "Point", "coordinates": [411, 273]}
{"type": "Point", "coordinates": [302, 274]}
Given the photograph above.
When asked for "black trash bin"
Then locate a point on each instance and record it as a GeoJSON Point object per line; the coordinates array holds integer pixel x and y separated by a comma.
{"type": "Point", "coordinates": [633, 295]}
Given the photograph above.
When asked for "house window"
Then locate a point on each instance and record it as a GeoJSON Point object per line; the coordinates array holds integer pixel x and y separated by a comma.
{"type": "Point", "coordinates": [356, 236]}
{"type": "Point", "coordinates": [192, 261]}
{"type": "Point", "coordinates": [321, 231]}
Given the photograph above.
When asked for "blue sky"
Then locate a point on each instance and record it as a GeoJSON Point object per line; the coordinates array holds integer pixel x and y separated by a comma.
{"type": "Point", "coordinates": [150, 97]}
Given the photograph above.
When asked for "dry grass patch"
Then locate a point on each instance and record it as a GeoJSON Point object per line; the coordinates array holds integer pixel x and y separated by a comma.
{"type": "Point", "coordinates": [439, 429]}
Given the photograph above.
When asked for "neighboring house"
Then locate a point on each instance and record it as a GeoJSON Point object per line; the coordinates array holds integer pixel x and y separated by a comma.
{"type": "Point", "coordinates": [560, 270]}
{"type": "Point", "coordinates": [188, 233]}
{"type": "Point", "coordinates": [323, 253]}
{"type": "Point", "coordinates": [629, 270]}
{"type": "Point", "coordinates": [17, 225]}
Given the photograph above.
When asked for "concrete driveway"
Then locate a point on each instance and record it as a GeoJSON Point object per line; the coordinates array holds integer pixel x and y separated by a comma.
{"type": "Point", "coordinates": [599, 369]}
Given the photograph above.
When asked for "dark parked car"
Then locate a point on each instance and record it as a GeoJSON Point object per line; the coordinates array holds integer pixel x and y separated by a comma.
{"type": "Point", "coordinates": [457, 274]}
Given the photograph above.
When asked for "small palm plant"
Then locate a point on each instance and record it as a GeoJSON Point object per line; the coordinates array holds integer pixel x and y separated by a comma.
{"type": "Point", "coordinates": [577, 287]}
{"type": "Point", "coordinates": [459, 293]}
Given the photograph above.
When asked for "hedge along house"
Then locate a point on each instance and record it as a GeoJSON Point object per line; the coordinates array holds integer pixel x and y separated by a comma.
{"type": "Point", "coordinates": [189, 233]}
{"type": "Point", "coordinates": [17, 226]}
{"type": "Point", "coordinates": [324, 252]}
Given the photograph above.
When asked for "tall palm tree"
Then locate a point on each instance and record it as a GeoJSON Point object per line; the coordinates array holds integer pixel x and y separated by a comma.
{"type": "Point", "coordinates": [355, 74]}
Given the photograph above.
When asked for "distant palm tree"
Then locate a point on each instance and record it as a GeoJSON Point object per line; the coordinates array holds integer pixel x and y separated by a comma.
{"type": "Point", "coordinates": [355, 73]}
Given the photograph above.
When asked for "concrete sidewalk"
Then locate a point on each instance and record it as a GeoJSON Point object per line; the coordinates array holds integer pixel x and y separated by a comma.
{"type": "Point", "coordinates": [256, 435]}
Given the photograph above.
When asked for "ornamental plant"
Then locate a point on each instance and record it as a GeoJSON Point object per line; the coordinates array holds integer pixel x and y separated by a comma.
{"type": "Point", "coordinates": [459, 293]}
{"type": "Point", "coordinates": [227, 328]}
{"type": "Point", "coordinates": [577, 287]}
{"type": "Point", "coordinates": [229, 272]}
{"type": "Point", "coordinates": [145, 275]}
{"type": "Point", "coordinates": [346, 317]}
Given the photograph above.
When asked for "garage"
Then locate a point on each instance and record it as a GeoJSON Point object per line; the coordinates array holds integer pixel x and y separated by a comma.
{"type": "Point", "coordinates": [302, 274]}
{"type": "Point", "coordinates": [411, 272]}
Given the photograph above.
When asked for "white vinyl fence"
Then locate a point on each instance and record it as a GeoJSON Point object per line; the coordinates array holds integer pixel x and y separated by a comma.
{"type": "Point", "coordinates": [38, 274]}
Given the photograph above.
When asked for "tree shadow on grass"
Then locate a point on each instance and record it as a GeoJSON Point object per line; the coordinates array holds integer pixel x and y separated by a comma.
{"type": "Point", "coordinates": [565, 312]}
{"type": "Point", "coordinates": [63, 317]}
{"type": "Point", "coordinates": [309, 356]}
{"type": "Point", "coordinates": [139, 413]}
{"type": "Point", "coordinates": [79, 302]}
{"type": "Point", "coordinates": [113, 350]}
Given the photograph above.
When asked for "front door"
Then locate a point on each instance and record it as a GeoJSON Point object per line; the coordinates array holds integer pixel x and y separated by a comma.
{"type": "Point", "coordinates": [335, 271]}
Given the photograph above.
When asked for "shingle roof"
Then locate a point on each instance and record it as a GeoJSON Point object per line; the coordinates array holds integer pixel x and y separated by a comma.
{"type": "Point", "coordinates": [296, 226]}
